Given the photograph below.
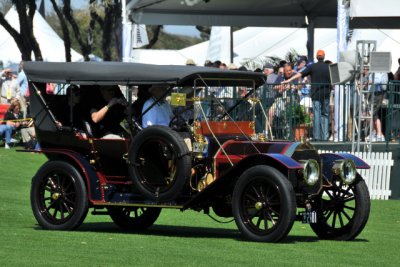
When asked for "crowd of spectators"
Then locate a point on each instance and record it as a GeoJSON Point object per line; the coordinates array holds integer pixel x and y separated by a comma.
{"type": "Point", "coordinates": [15, 125]}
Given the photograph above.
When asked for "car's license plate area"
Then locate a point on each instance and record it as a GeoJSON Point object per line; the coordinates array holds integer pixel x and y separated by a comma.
{"type": "Point", "coordinates": [308, 216]}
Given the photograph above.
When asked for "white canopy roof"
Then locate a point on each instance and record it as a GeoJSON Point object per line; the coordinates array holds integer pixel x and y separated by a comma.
{"type": "Point", "coordinates": [51, 45]}
{"type": "Point", "coordinates": [372, 8]}
{"type": "Point", "coordinates": [265, 13]}
{"type": "Point", "coordinates": [257, 42]}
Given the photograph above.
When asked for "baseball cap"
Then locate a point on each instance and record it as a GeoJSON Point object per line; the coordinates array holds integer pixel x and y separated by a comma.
{"type": "Point", "coordinates": [190, 62]}
{"type": "Point", "coordinates": [320, 53]}
{"type": "Point", "coordinates": [268, 66]}
{"type": "Point", "coordinates": [301, 59]}
{"type": "Point", "coordinates": [232, 66]}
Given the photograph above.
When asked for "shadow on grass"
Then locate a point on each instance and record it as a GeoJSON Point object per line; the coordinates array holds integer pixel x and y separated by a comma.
{"type": "Point", "coordinates": [164, 230]}
{"type": "Point", "coordinates": [188, 232]}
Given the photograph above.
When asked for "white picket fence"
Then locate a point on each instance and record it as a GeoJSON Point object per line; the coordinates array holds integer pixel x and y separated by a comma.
{"type": "Point", "coordinates": [378, 176]}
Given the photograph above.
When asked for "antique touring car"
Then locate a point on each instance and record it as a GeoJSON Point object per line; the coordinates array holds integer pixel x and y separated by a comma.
{"type": "Point", "coordinates": [213, 155]}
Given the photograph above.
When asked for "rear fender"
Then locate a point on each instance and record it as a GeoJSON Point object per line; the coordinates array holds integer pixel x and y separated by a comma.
{"type": "Point", "coordinates": [328, 160]}
{"type": "Point", "coordinates": [90, 176]}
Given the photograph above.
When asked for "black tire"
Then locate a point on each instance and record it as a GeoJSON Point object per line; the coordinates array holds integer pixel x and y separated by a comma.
{"type": "Point", "coordinates": [134, 218]}
{"type": "Point", "coordinates": [342, 210]}
{"type": "Point", "coordinates": [160, 163]}
{"type": "Point", "coordinates": [58, 196]}
{"type": "Point", "coordinates": [264, 204]}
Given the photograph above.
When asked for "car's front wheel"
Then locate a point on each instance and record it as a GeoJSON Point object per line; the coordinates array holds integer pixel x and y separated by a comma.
{"type": "Point", "coordinates": [342, 210]}
{"type": "Point", "coordinates": [263, 204]}
{"type": "Point", "coordinates": [58, 196]}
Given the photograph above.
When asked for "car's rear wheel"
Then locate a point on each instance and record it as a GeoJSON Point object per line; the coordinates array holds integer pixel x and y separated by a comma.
{"type": "Point", "coordinates": [342, 210]}
{"type": "Point", "coordinates": [58, 196]}
{"type": "Point", "coordinates": [160, 163]}
{"type": "Point", "coordinates": [134, 218]}
{"type": "Point", "coordinates": [263, 204]}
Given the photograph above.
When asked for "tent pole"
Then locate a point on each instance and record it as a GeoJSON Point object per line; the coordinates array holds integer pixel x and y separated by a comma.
{"type": "Point", "coordinates": [231, 44]}
{"type": "Point", "coordinates": [310, 40]}
{"type": "Point", "coordinates": [340, 118]}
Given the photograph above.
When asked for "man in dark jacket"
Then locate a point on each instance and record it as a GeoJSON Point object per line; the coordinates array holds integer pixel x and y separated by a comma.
{"type": "Point", "coordinates": [320, 92]}
{"type": "Point", "coordinates": [397, 73]}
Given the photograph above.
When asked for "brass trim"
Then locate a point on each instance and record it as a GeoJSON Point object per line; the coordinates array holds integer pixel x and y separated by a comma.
{"type": "Point", "coordinates": [55, 196]}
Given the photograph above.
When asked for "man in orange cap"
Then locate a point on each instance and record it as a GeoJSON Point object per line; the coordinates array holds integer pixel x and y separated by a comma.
{"type": "Point", "coordinates": [320, 93]}
{"type": "Point", "coordinates": [320, 54]}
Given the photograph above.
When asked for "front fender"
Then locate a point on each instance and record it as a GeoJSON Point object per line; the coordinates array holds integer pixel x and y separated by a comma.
{"type": "Point", "coordinates": [329, 158]}
{"type": "Point", "coordinates": [226, 181]}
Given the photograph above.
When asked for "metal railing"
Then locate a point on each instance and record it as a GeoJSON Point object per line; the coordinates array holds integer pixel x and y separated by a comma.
{"type": "Point", "coordinates": [291, 114]}
{"type": "Point", "coordinates": [392, 123]}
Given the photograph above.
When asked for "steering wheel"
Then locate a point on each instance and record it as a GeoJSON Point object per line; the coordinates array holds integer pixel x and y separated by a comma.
{"type": "Point", "coordinates": [178, 122]}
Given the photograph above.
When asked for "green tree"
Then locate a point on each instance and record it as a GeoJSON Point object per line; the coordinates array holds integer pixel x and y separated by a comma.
{"type": "Point", "coordinates": [25, 38]}
{"type": "Point", "coordinates": [98, 29]}
{"type": "Point", "coordinates": [65, 31]}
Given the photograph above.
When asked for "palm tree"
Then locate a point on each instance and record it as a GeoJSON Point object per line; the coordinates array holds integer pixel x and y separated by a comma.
{"type": "Point", "coordinates": [291, 57]}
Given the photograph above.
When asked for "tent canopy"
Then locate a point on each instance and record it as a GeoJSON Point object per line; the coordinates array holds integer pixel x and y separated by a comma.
{"type": "Point", "coordinates": [267, 13]}
{"type": "Point", "coordinates": [254, 43]}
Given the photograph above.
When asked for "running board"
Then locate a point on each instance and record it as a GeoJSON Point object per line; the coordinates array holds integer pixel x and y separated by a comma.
{"type": "Point", "coordinates": [139, 204]}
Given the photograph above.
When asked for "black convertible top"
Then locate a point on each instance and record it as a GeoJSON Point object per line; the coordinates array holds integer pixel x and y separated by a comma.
{"type": "Point", "coordinates": [133, 73]}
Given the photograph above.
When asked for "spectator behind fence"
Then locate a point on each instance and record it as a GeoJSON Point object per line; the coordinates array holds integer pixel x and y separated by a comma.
{"type": "Point", "coordinates": [269, 72]}
{"type": "Point", "coordinates": [320, 93]}
{"type": "Point", "coordinates": [397, 73]}
{"type": "Point", "coordinates": [282, 100]}
{"type": "Point", "coordinates": [268, 93]}
{"type": "Point", "coordinates": [301, 64]}
{"type": "Point", "coordinates": [376, 86]}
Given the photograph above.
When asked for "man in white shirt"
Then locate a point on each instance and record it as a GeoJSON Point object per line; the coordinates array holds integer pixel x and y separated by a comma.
{"type": "Point", "coordinates": [9, 87]}
{"type": "Point", "coordinates": [160, 113]}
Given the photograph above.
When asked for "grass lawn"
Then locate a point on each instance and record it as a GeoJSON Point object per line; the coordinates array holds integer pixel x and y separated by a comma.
{"type": "Point", "coordinates": [177, 239]}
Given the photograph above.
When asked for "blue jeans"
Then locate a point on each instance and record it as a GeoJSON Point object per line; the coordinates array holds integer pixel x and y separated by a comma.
{"type": "Point", "coordinates": [321, 120]}
{"type": "Point", "coordinates": [7, 130]}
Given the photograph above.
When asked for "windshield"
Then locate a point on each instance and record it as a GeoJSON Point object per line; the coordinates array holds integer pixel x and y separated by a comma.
{"type": "Point", "coordinates": [224, 109]}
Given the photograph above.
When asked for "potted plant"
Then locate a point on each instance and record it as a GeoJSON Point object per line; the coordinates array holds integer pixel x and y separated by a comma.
{"type": "Point", "coordinates": [300, 121]}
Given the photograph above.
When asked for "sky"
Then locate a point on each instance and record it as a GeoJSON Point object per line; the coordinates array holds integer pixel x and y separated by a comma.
{"type": "Point", "coordinates": [183, 30]}
{"type": "Point", "coordinates": [174, 29]}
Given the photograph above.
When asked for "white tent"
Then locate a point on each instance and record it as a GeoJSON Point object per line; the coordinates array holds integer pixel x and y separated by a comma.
{"type": "Point", "coordinates": [51, 45]}
{"type": "Point", "coordinates": [257, 42]}
{"type": "Point", "coordinates": [370, 8]}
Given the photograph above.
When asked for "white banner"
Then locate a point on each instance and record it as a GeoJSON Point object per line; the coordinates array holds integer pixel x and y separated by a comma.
{"type": "Point", "coordinates": [369, 8]}
{"type": "Point", "coordinates": [139, 36]}
{"type": "Point", "coordinates": [219, 45]}
{"type": "Point", "coordinates": [126, 42]}
{"type": "Point", "coordinates": [342, 30]}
